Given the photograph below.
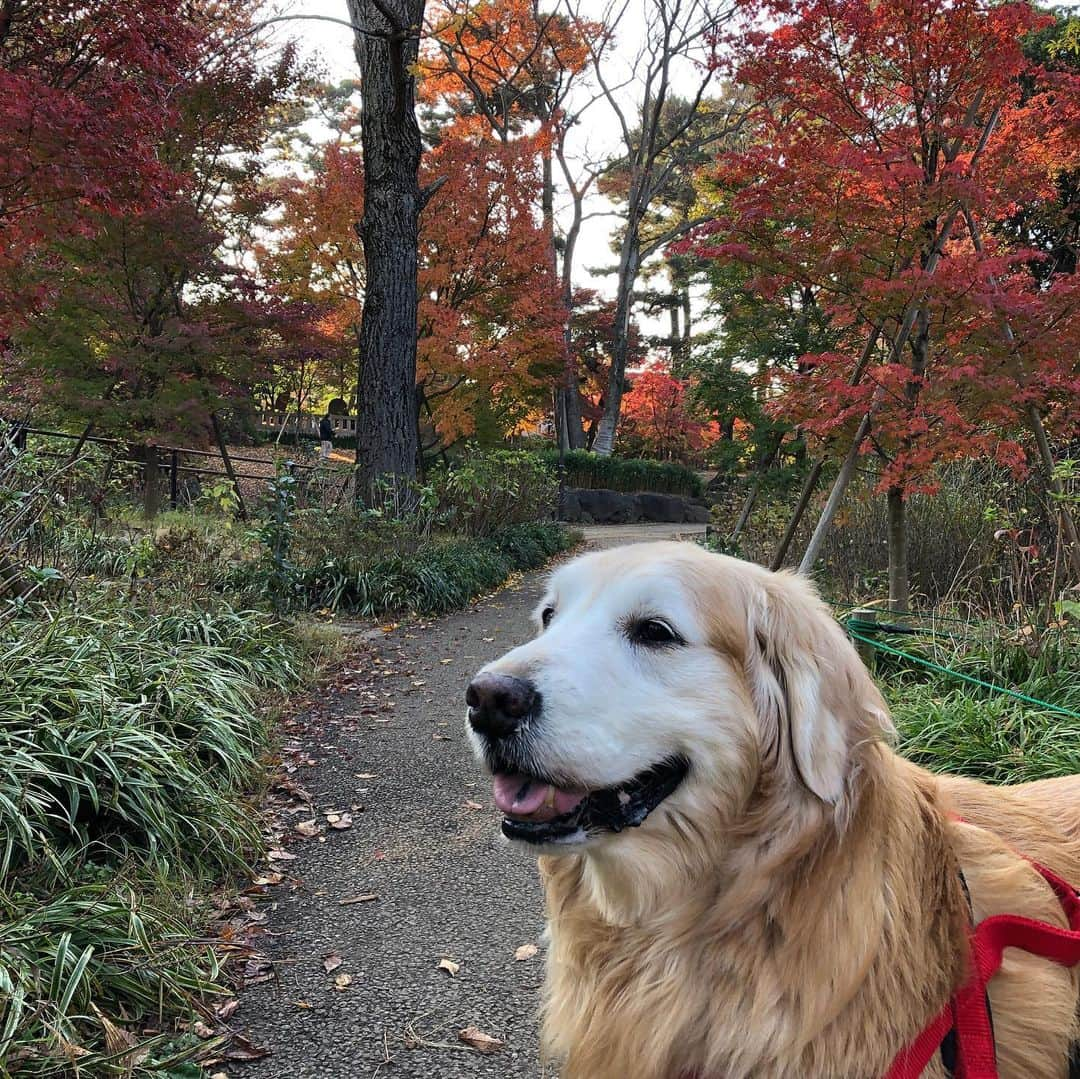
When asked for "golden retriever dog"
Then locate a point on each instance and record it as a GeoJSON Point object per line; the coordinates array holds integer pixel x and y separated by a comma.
{"type": "Point", "coordinates": [743, 880]}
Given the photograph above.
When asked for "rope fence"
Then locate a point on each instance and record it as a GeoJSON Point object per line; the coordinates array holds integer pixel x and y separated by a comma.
{"type": "Point", "coordinates": [865, 630]}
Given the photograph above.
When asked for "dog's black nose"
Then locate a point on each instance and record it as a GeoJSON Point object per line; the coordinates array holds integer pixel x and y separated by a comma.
{"type": "Point", "coordinates": [498, 702]}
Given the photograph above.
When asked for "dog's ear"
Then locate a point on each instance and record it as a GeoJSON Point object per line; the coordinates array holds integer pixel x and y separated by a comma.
{"type": "Point", "coordinates": [815, 698]}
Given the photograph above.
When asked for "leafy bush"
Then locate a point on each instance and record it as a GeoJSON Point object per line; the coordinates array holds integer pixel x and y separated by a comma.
{"type": "Point", "coordinates": [486, 491]}
{"type": "Point", "coordinates": [129, 739]}
{"type": "Point", "coordinates": [129, 735]}
{"type": "Point", "coordinates": [438, 575]}
{"type": "Point", "coordinates": [585, 469]}
{"type": "Point", "coordinates": [69, 962]}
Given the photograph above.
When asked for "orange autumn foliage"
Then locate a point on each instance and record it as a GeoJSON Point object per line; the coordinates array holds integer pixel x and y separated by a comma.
{"type": "Point", "coordinates": [489, 319]}
{"type": "Point", "coordinates": [657, 420]}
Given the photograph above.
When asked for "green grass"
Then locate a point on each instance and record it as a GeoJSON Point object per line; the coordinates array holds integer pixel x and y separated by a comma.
{"type": "Point", "coordinates": [950, 726]}
{"type": "Point", "coordinates": [130, 737]}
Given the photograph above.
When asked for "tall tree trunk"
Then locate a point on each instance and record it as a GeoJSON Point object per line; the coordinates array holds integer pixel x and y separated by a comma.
{"type": "Point", "coordinates": [836, 496]}
{"type": "Point", "coordinates": [620, 344]}
{"type": "Point", "coordinates": [899, 593]}
{"type": "Point", "coordinates": [808, 487]}
{"type": "Point", "coordinates": [387, 446]}
{"type": "Point", "coordinates": [570, 392]}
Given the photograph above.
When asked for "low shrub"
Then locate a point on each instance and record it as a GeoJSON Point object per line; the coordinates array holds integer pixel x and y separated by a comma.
{"type": "Point", "coordinates": [70, 961]}
{"type": "Point", "coordinates": [438, 575]}
{"type": "Point", "coordinates": [486, 491]}
{"type": "Point", "coordinates": [631, 475]}
{"type": "Point", "coordinates": [129, 735]}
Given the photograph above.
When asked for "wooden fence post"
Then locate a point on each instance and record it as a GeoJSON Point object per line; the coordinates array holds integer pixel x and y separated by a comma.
{"type": "Point", "coordinates": [866, 651]}
{"type": "Point", "coordinates": [174, 478]}
{"type": "Point", "coordinates": [151, 490]}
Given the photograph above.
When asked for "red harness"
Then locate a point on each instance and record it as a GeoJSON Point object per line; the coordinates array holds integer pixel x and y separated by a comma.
{"type": "Point", "coordinates": [966, 1013]}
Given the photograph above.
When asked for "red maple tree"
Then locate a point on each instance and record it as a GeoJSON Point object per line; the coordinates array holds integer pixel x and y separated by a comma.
{"type": "Point", "coordinates": [890, 139]}
{"type": "Point", "coordinates": [658, 420]}
{"type": "Point", "coordinates": [85, 96]}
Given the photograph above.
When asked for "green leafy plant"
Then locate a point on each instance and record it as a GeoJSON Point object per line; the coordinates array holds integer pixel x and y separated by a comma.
{"type": "Point", "coordinates": [488, 490]}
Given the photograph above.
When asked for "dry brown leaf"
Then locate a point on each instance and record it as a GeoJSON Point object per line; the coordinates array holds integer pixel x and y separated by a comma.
{"type": "Point", "coordinates": [332, 962]}
{"type": "Point", "coordinates": [473, 805]}
{"type": "Point", "coordinates": [450, 967]}
{"type": "Point", "coordinates": [340, 821]}
{"type": "Point", "coordinates": [241, 1049]}
{"type": "Point", "coordinates": [477, 1039]}
{"type": "Point", "coordinates": [342, 981]}
{"type": "Point", "coordinates": [268, 879]}
{"type": "Point", "coordinates": [526, 951]}
{"type": "Point", "coordinates": [308, 827]}
{"type": "Point", "coordinates": [370, 897]}
{"type": "Point", "coordinates": [301, 1004]}
{"type": "Point", "coordinates": [223, 1011]}
{"type": "Point", "coordinates": [201, 1030]}
{"type": "Point", "coordinates": [366, 775]}
{"type": "Point", "coordinates": [278, 855]}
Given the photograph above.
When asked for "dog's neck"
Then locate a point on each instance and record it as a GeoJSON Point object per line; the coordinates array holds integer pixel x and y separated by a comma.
{"type": "Point", "coordinates": [802, 916]}
{"type": "Point", "coordinates": [784, 859]}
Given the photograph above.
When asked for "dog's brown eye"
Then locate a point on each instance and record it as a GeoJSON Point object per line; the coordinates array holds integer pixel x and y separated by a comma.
{"type": "Point", "coordinates": [546, 615]}
{"type": "Point", "coordinates": [654, 632]}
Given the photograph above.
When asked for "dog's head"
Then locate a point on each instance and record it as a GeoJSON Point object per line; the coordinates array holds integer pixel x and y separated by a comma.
{"type": "Point", "coordinates": [666, 688]}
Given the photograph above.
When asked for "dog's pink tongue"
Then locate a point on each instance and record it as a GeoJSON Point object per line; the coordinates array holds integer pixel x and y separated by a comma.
{"type": "Point", "coordinates": [522, 797]}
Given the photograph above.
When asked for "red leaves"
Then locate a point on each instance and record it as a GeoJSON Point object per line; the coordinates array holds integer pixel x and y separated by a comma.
{"type": "Point", "coordinates": [872, 127]}
{"type": "Point", "coordinates": [657, 419]}
{"type": "Point", "coordinates": [84, 100]}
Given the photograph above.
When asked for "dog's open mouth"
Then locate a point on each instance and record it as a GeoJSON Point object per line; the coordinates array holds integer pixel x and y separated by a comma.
{"type": "Point", "coordinates": [538, 811]}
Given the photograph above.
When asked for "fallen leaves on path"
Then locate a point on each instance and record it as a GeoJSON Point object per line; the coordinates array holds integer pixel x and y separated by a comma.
{"type": "Point", "coordinates": [342, 982]}
{"type": "Point", "coordinates": [307, 828]}
{"type": "Point", "coordinates": [339, 821]}
{"type": "Point", "coordinates": [332, 962]}
{"type": "Point", "coordinates": [526, 951]}
{"type": "Point", "coordinates": [477, 1039]}
{"type": "Point", "coordinates": [450, 967]}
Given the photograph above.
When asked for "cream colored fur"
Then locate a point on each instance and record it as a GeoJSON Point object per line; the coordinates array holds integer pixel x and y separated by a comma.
{"type": "Point", "coordinates": [794, 909]}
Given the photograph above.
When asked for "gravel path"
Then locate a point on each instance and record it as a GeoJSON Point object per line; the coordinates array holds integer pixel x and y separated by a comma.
{"type": "Point", "coordinates": [388, 737]}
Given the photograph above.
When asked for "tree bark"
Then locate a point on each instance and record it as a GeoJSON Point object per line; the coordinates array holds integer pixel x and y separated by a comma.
{"type": "Point", "coordinates": [604, 445]}
{"type": "Point", "coordinates": [808, 487]}
{"type": "Point", "coordinates": [898, 551]}
{"type": "Point", "coordinates": [836, 496]}
{"type": "Point", "coordinates": [387, 446]}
